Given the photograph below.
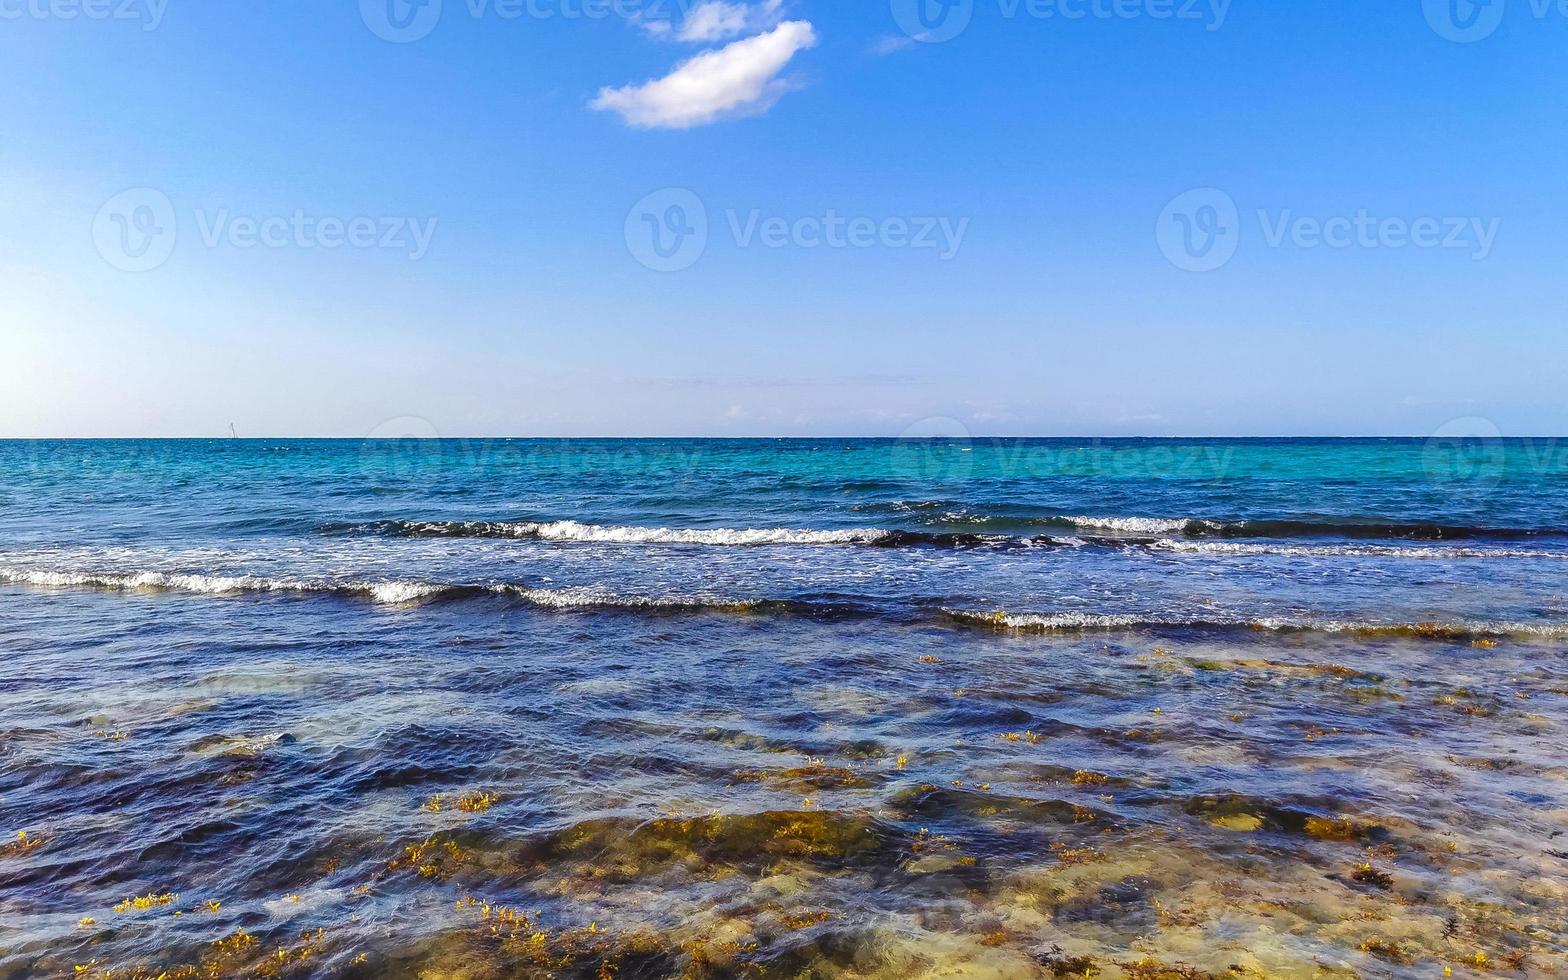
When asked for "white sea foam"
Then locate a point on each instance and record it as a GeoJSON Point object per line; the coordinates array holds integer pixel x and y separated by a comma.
{"type": "Point", "coordinates": [1085, 621]}
{"type": "Point", "coordinates": [388, 592]}
{"type": "Point", "coordinates": [1347, 550]}
{"type": "Point", "coordinates": [396, 593]}
{"type": "Point", "coordinates": [1459, 629]}
{"type": "Point", "coordinates": [150, 581]}
{"type": "Point", "coordinates": [1131, 525]}
{"type": "Point", "coordinates": [575, 531]}
{"type": "Point", "coordinates": [596, 598]}
{"type": "Point", "coordinates": [391, 592]}
{"type": "Point", "coordinates": [1057, 621]}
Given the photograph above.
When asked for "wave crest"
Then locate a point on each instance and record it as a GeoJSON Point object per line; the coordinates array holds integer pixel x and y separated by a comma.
{"type": "Point", "coordinates": [576, 531]}
{"type": "Point", "coordinates": [195, 583]}
{"type": "Point", "coordinates": [1071, 622]}
{"type": "Point", "coordinates": [1237, 548]}
{"type": "Point", "coordinates": [405, 592]}
{"type": "Point", "coordinates": [1293, 528]}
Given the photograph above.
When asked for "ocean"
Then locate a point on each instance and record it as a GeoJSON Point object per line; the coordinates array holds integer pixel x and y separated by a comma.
{"type": "Point", "coordinates": [873, 708]}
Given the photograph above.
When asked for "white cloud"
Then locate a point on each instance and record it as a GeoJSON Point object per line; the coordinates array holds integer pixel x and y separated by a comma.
{"type": "Point", "coordinates": [893, 43]}
{"type": "Point", "coordinates": [715, 20]}
{"type": "Point", "coordinates": [736, 80]}
{"type": "Point", "coordinates": [718, 20]}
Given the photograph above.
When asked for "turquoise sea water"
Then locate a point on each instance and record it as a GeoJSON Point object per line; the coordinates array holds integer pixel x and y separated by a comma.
{"type": "Point", "coordinates": [872, 708]}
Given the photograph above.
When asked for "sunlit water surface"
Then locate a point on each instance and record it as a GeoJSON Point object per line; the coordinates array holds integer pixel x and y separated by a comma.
{"type": "Point", "coordinates": [783, 709]}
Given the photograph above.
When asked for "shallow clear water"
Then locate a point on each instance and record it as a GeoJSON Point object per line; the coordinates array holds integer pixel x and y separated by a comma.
{"type": "Point", "coordinates": [1238, 708]}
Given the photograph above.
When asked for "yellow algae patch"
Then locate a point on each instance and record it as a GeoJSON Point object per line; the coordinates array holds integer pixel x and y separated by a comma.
{"type": "Point", "coordinates": [24, 843]}
{"type": "Point", "coordinates": [795, 921]}
{"type": "Point", "coordinates": [471, 802]}
{"type": "Point", "coordinates": [1149, 968]}
{"type": "Point", "coordinates": [816, 775]}
{"type": "Point", "coordinates": [1076, 855]}
{"type": "Point", "coordinates": [610, 849]}
{"type": "Point", "coordinates": [1242, 822]}
{"type": "Point", "coordinates": [1390, 951]}
{"type": "Point", "coordinates": [476, 802]}
{"type": "Point", "coordinates": [237, 941]}
{"type": "Point", "coordinates": [148, 901]}
{"type": "Point", "coordinates": [1333, 829]}
{"type": "Point", "coordinates": [228, 956]}
{"type": "Point", "coordinates": [1368, 874]}
{"type": "Point", "coordinates": [431, 857]}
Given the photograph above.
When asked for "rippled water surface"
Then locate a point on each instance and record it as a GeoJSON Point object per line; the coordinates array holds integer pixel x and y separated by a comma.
{"type": "Point", "coordinates": [646, 709]}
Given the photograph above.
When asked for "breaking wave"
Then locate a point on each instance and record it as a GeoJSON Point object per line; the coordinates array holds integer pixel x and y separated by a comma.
{"type": "Point", "coordinates": [594, 598]}
{"type": "Point", "coordinates": [1070, 622]}
{"type": "Point", "coordinates": [1238, 548]}
{"type": "Point", "coordinates": [1406, 530]}
{"type": "Point", "coordinates": [389, 592]}
{"type": "Point", "coordinates": [575, 531]}
{"type": "Point", "coordinates": [396, 592]}
{"type": "Point", "coordinates": [826, 606]}
{"type": "Point", "coordinates": [1130, 532]}
{"type": "Point", "coordinates": [1125, 525]}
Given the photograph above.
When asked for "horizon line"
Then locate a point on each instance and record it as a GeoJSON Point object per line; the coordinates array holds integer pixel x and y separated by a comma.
{"type": "Point", "coordinates": [779, 438]}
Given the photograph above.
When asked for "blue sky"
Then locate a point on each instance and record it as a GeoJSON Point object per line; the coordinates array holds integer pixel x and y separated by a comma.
{"type": "Point", "coordinates": [1098, 217]}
